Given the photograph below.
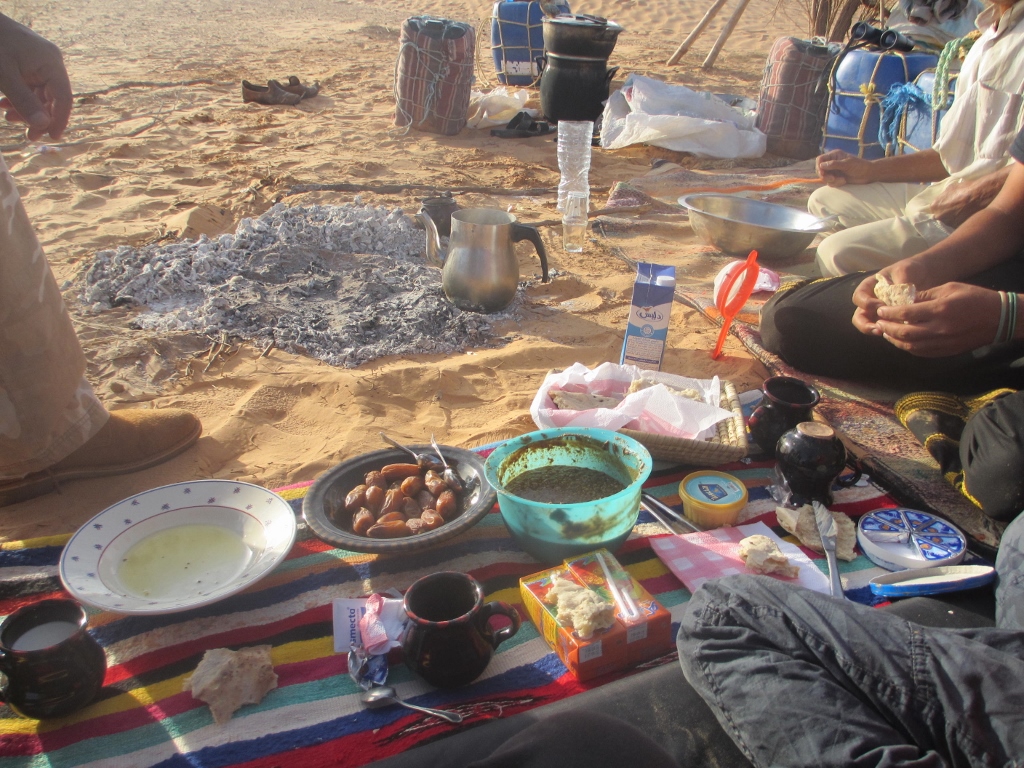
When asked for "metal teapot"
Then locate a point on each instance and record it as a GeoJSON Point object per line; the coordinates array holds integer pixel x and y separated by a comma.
{"type": "Point", "coordinates": [480, 272]}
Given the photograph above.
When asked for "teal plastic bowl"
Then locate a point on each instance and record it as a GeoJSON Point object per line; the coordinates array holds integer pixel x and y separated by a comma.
{"type": "Point", "coordinates": [554, 532]}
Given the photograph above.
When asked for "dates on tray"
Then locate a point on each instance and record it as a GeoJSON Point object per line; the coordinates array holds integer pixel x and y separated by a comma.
{"type": "Point", "coordinates": [398, 500]}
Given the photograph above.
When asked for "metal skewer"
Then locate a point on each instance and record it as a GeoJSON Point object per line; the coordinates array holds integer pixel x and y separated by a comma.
{"type": "Point", "coordinates": [653, 502]}
{"type": "Point", "coordinates": [657, 516]}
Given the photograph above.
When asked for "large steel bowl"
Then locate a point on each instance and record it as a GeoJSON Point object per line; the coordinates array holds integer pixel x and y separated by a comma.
{"type": "Point", "coordinates": [737, 226]}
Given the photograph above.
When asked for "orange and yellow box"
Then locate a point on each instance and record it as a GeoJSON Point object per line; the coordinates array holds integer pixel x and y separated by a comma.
{"type": "Point", "coordinates": [649, 628]}
{"type": "Point", "coordinates": [635, 638]}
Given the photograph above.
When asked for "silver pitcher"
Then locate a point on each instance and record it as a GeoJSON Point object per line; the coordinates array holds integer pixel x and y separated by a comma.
{"type": "Point", "coordinates": [480, 272]}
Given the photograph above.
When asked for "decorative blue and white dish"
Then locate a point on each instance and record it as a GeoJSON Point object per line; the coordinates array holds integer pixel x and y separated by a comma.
{"type": "Point", "coordinates": [932, 581]}
{"type": "Point", "coordinates": [897, 538]}
{"type": "Point", "coordinates": [178, 547]}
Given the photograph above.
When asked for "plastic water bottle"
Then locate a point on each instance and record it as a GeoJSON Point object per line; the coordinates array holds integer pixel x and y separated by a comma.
{"type": "Point", "coordinates": [574, 141]}
{"type": "Point", "coordinates": [574, 222]}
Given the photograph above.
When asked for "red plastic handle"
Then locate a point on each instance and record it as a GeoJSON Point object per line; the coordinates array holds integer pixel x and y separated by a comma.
{"type": "Point", "coordinates": [729, 308]}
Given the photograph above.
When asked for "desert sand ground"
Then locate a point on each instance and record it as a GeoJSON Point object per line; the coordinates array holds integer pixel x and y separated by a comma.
{"type": "Point", "coordinates": [138, 160]}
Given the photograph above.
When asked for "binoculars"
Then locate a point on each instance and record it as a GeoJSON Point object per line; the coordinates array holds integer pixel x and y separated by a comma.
{"type": "Point", "coordinates": [886, 39]}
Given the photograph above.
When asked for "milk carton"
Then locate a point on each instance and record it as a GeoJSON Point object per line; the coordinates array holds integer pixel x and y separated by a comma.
{"type": "Point", "coordinates": [644, 345]}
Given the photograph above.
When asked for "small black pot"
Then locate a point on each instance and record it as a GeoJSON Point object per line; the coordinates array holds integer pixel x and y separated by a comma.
{"type": "Point", "coordinates": [580, 35]}
{"type": "Point", "coordinates": [574, 87]}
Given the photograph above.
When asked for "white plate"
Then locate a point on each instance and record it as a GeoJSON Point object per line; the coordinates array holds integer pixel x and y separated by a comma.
{"type": "Point", "coordinates": [204, 540]}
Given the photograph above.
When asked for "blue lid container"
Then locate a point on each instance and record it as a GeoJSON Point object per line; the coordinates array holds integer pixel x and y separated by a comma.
{"type": "Point", "coordinates": [861, 80]}
{"type": "Point", "coordinates": [517, 40]}
{"type": "Point", "coordinates": [920, 126]}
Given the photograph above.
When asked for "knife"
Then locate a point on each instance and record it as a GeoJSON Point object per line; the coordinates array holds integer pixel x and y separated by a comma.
{"type": "Point", "coordinates": [827, 529]}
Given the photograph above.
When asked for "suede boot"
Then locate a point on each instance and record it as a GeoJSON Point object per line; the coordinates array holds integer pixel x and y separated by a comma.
{"type": "Point", "coordinates": [130, 440]}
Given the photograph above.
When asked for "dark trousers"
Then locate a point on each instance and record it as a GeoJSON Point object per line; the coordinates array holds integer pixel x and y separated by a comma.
{"type": "Point", "coordinates": [798, 678]}
{"type": "Point", "coordinates": [809, 327]}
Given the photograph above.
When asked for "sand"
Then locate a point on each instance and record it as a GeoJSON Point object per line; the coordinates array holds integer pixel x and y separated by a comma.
{"type": "Point", "coordinates": [142, 163]}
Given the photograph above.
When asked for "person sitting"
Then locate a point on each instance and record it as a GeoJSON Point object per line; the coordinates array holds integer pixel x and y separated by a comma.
{"type": "Point", "coordinates": [964, 334]}
{"type": "Point", "coordinates": [52, 425]}
{"type": "Point", "coordinates": [895, 207]}
{"type": "Point", "coordinates": [798, 678]}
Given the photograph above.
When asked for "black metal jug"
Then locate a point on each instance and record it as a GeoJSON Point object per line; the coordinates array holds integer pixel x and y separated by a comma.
{"type": "Point", "coordinates": [574, 87]}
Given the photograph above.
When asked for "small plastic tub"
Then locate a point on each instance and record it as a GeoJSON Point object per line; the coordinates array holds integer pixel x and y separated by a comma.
{"type": "Point", "coordinates": [712, 499]}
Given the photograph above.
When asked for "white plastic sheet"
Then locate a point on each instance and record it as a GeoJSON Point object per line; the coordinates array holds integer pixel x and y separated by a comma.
{"type": "Point", "coordinates": [654, 409]}
{"type": "Point", "coordinates": [647, 111]}
{"type": "Point", "coordinates": [495, 108]}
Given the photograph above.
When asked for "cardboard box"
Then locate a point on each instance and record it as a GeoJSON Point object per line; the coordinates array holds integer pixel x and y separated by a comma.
{"type": "Point", "coordinates": [604, 652]}
{"type": "Point", "coordinates": [632, 640]}
{"type": "Point", "coordinates": [649, 627]}
{"type": "Point", "coordinates": [653, 291]}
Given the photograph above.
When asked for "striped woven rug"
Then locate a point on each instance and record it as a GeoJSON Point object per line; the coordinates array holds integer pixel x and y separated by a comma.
{"type": "Point", "coordinates": [142, 717]}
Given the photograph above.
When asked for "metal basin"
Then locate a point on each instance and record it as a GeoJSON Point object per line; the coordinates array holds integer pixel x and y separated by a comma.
{"type": "Point", "coordinates": [736, 225]}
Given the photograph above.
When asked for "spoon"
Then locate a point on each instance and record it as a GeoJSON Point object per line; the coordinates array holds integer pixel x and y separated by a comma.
{"type": "Point", "coordinates": [424, 460]}
{"type": "Point", "coordinates": [385, 695]}
{"type": "Point", "coordinates": [450, 476]}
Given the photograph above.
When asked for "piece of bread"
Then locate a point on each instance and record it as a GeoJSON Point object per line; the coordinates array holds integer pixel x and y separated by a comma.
{"type": "Point", "coordinates": [580, 401]}
{"type": "Point", "coordinates": [762, 555]}
{"type": "Point", "coordinates": [581, 608]}
{"type": "Point", "coordinates": [689, 394]}
{"type": "Point", "coordinates": [227, 679]}
{"type": "Point", "coordinates": [897, 295]}
{"type": "Point", "coordinates": [801, 523]}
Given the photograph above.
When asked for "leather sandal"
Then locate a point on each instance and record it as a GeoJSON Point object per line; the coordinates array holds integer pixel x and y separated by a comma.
{"type": "Point", "coordinates": [295, 86]}
{"type": "Point", "coordinates": [270, 94]}
{"type": "Point", "coordinates": [130, 441]}
{"type": "Point", "coordinates": [523, 126]}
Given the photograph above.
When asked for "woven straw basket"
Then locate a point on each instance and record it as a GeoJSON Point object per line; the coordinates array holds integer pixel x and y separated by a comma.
{"type": "Point", "coordinates": [730, 444]}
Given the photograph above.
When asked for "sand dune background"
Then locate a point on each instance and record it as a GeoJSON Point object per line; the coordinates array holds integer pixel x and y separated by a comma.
{"type": "Point", "coordinates": [145, 162]}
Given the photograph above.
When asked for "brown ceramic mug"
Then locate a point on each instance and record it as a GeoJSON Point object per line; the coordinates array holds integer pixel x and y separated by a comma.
{"type": "Point", "coordinates": [448, 640]}
{"type": "Point", "coordinates": [52, 664]}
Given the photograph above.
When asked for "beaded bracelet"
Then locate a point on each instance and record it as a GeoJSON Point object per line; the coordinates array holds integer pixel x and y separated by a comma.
{"type": "Point", "coordinates": [1004, 305]}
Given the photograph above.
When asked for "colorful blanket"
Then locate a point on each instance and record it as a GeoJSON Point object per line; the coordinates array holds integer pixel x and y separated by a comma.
{"type": "Point", "coordinates": [864, 414]}
{"type": "Point", "coordinates": [142, 717]}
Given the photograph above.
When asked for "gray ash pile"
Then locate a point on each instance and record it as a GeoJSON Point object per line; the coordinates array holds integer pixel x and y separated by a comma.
{"type": "Point", "coordinates": [345, 284]}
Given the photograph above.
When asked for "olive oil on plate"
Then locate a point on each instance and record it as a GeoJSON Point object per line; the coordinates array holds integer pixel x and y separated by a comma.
{"type": "Point", "coordinates": [180, 562]}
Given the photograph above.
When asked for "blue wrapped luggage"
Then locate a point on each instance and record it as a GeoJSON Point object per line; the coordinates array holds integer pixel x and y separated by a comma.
{"type": "Point", "coordinates": [517, 40]}
{"type": "Point", "coordinates": [859, 82]}
{"type": "Point", "coordinates": [919, 124]}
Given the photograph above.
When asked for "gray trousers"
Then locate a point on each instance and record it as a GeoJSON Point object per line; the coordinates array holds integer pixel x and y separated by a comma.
{"type": "Point", "coordinates": [799, 678]}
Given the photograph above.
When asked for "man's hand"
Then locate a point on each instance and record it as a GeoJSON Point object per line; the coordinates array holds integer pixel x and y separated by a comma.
{"type": "Point", "coordinates": [948, 320]}
{"type": "Point", "coordinates": [865, 316]}
{"type": "Point", "coordinates": [962, 199]}
{"type": "Point", "coordinates": [838, 168]}
{"type": "Point", "coordinates": [905, 271]}
{"type": "Point", "coordinates": [33, 80]}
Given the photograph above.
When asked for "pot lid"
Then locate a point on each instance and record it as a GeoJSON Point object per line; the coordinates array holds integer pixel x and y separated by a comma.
{"type": "Point", "coordinates": [582, 20]}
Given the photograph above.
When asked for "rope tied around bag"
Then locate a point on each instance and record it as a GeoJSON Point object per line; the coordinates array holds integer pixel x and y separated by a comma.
{"type": "Point", "coordinates": [901, 97]}
{"type": "Point", "coordinates": [421, 73]}
{"type": "Point", "coordinates": [871, 98]}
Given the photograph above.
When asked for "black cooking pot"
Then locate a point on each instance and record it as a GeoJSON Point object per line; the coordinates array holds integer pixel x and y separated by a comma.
{"type": "Point", "coordinates": [573, 87]}
{"type": "Point", "coordinates": [580, 35]}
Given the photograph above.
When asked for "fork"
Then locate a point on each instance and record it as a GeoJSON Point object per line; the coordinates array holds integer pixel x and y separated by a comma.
{"type": "Point", "coordinates": [827, 529]}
